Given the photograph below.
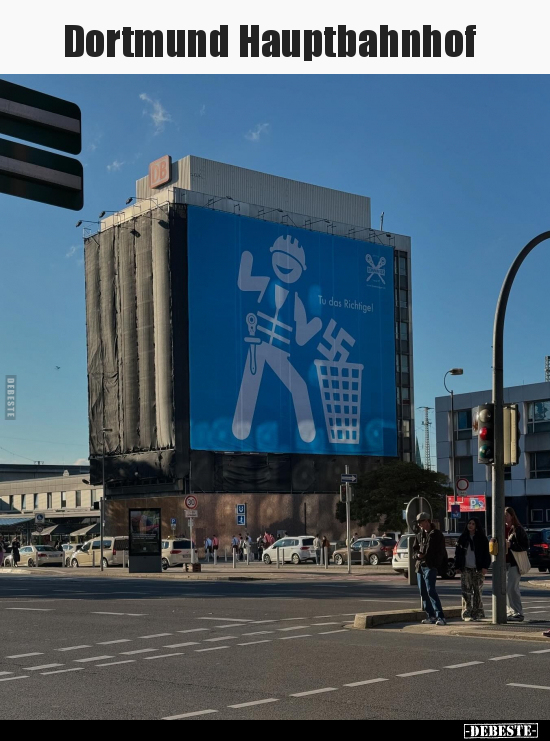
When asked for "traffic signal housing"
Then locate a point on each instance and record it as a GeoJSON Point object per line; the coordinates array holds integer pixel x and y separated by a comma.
{"type": "Point", "coordinates": [486, 433]}
{"type": "Point", "coordinates": [512, 434]}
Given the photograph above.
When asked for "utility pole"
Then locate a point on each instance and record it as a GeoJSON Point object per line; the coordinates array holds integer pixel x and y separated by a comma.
{"type": "Point", "coordinates": [426, 424]}
{"type": "Point", "coordinates": [348, 520]}
{"type": "Point", "coordinates": [102, 500]}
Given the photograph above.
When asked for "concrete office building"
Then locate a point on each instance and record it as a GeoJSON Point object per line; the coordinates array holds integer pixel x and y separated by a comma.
{"type": "Point", "coordinates": [527, 485]}
{"type": "Point", "coordinates": [176, 369]}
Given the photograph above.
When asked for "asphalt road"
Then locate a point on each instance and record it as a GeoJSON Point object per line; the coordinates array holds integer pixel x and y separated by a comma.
{"type": "Point", "coordinates": [77, 647]}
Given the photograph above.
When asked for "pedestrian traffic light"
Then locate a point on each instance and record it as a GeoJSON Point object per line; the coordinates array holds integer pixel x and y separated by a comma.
{"type": "Point", "coordinates": [512, 434]}
{"type": "Point", "coordinates": [486, 433]}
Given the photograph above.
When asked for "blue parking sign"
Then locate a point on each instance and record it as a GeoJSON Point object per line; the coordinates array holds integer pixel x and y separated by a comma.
{"type": "Point", "coordinates": [241, 509]}
{"type": "Point", "coordinates": [241, 519]}
{"type": "Point", "coordinates": [173, 522]}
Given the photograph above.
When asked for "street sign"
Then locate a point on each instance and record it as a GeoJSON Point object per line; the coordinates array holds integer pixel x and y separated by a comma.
{"type": "Point", "coordinates": [241, 509]}
{"type": "Point", "coordinates": [173, 522]}
{"type": "Point", "coordinates": [39, 518]}
{"type": "Point", "coordinates": [348, 478]}
{"type": "Point", "coordinates": [191, 513]}
{"type": "Point", "coordinates": [462, 484]}
{"type": "Point", "coordinates": [241, 519]}
{"type": "Point", "coordinates": [191, 502]}
{"type": "Point", "coordinates": [41, 176]}
{"type": "Point", "coordinates": [468, 503]}
{"type": "Point", "coordinates": [414, 508]}
{"type": "Point", "coordinates": [39, 118]}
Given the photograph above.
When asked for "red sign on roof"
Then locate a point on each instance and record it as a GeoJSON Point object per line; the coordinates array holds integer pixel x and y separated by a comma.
{"type": "Point", "coordinates": [160, 171]}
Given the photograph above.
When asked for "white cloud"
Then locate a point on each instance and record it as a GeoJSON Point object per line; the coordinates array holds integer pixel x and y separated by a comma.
{"type": "Point", "coordinates": [254, 134]}
{"type": "Point", "coordinates": [202, 110]}
{"type": "Point", "coordinates": [115, 166]}
{"type": "Point", "coordinates": [81, 462]}
{"type": "Point", "coordinates": [73, 250]}
{"type": "Point", "coordinates": [158, 114]}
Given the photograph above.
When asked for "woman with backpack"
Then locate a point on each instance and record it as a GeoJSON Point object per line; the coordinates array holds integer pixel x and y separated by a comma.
{"type": "Point", "coordinates": [472, 560]}
{"type": "Point", "coordinates": [517, 543]}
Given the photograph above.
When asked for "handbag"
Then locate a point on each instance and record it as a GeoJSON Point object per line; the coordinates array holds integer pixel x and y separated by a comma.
{"type": "Point", "coordinates": [522, 561]}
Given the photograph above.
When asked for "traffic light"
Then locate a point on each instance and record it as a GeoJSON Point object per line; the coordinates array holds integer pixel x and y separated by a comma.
{"type": "Point", "coordinates": [512, 434]}
{"type": "Point", "coordinates": [486, 433]}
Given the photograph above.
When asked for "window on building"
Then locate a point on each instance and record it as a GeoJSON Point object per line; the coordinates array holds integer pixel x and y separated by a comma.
{"type": "Point", "coordinates": [406, 428]}
{"type": "Point", "coordinates": [404, 330]}
{"type": "Point", "coordinates": [464, 468]}
{"type": "Point", "coordinates": [79, 499]}
{"type": "Point", "coordinates": [49, 500]}
{"type": "Point", "coordinates": [35, 501]}
{"type": "Point", "coordinates": [403, 298]}
{"type": "Point", "coordinates": [548, 515]}
{"type": "Point", "coordinates": [507, 473]}
{"type": "Point", "coordinates": [463, 424]}
{"type": "Point", "coordinates": [405, 395]}
{"type": "Point", "coordinates": [538, 416]}
{"type": "Point", "coordinates": [63, 499]}
{"type": "Point", "coordinates": [404, 363]}
{"type": "Point", "coordinates": [402, 266]}
{"type": "Point", "coordinates": [540, 464]}
{"type": "Point", "coordinates": [537, 515]}
{"type": "Point", "coordinates": [23, 501]}
{"type": "Point", "coordinates": [93, 493]}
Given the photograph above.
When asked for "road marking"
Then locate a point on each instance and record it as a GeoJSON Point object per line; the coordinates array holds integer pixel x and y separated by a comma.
{"type": "Point", "coordinates": [116, 663]}
{"type": "Point", "coordinates": [459, 666]}
{"type": "Point", "coordinates": [122, 614]}
{"type": "Point", "coordinates": [24, 656]}
{"type": "Point", "coordinates": [510, 656]}
{"type": "Point", "coordinates": [94, 658]}
{"type": "Point", "coordinates": [72, 648]}
{"type": "Point", "coordinates": [10, 679]}
{"type": "Point", "coordinates": [314, 692]}
{"type": "Point", "coordinates": [158, 635]}
{"type": "Point", "coordinates": [214, 648]}
{"type": "Point", "coordinates": [30, 609]}
{"type": "Point", "coordinates": [543, 651]}
{"type": "Point", "coordinates": [109, 643]}
{"type": "Point", "coordinates": [366, 681]}
{"type": "Point", "coordinates": [289, 638]}
{"type": "Point", "coordinates": [182, 645]}
{"type": "Point", "coordinates": [139, 651]}
{"type": "Point", "coordinates": [261, 622]}
{"type": "Point", "coordinates": [414, 674]}
{"type": "Point", "coordinates": [163, 656]}
{"type": "Point", "coordinates": [319, 625]}
{"type": "Point", "coordinates": [331, 632]}
{"type": "Point", "coordinates": [190, 715]}
{"type": "Point", "coordinates": [529, 686]}
{"type": "Point", "coordinates": [63, 671]}
{"type": "Point", "coordinates": [194, 630]}
{"type": "Point", "coordinates": [259, 633]}
{"type": "Point", "coordinates": [301, 618]}
{"type": "Point", "coordinates": [251, 704]}
{"type": "Point", "coordinates": [294, 627]}
{"type": "Point", "coordinates": [37, 668]}
{"type": "Point", "coordinates": [226, 620]}
{"type": "Point", "coordinates": [222, 638]}
{"type": "Point", "coordinates": [3, 674]}
{"type": "Point", "coordinates": [254, 643]}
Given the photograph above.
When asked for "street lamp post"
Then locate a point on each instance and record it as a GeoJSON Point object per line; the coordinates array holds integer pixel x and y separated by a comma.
{"type": "Point", "coordinates": [102, 501]}
{"type": "Point", "coordinates": [452, 372]}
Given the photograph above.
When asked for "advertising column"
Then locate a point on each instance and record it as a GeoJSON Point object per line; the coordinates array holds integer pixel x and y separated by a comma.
{"type": "Point", "coordinates": [145, 541]}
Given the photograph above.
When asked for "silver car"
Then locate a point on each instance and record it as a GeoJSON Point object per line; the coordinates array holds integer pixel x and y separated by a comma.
{"type": "Point", "coordinates": [37, 555]}
{"type": "Point", "coordinates": [297, 550]}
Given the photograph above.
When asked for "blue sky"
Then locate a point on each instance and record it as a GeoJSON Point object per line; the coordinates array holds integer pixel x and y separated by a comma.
{"type": "Point", "coordinates": [460, 163]}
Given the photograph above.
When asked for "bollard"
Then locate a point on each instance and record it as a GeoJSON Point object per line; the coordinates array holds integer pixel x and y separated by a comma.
{"type": "Point", "coordinates": [216, 557]}
{"type": "Point", "coordinates": [225, 554]}
{"type": "Point", "coordinates": [278, 563]}
{"type": "Point", "coordinates": [234, 558]}
{"type": "Point", "coordinates": [326, 558]}
{"type": "Point", "coordinates": [123, 559]}
{"type": "Point", "coordinates": [283, 557]}
{"type": "Point", "coordinates": [362, 554]}
{"type": "Point", "coordinates": [93, 559]}
{"type": "Point", "coordinates": [248, 556]}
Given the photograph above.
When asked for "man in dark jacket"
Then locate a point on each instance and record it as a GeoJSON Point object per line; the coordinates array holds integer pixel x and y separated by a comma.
{"type": "Point", "coordinates": [429, 551]}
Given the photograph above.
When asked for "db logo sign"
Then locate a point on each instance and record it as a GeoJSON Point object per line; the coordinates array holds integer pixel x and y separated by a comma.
{"type": "Point", "coordinates": [160, 171]}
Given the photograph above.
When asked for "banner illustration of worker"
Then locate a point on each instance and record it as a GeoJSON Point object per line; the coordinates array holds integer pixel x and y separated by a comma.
{"type": "Point", "coordinates": [297, 354]}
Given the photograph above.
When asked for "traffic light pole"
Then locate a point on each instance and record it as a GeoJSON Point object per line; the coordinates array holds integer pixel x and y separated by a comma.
{"type": "Point", "coordinates": [499, 565]}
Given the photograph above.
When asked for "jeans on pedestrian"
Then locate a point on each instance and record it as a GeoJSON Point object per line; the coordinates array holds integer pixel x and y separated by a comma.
{"type": "Point", "coordinates": [431, 603]}
{"type": "Point", "coordinates": [513, 595]}
{"type": "Point", "coordinates": [471, 582]}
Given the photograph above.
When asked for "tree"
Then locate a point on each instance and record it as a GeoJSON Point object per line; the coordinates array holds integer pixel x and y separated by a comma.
{"type": "Point", "coordinates": [382, 494]}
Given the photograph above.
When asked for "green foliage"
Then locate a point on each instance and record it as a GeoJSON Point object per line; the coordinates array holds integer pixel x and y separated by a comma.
{"type": "Point", "coordinates": [384, 493]}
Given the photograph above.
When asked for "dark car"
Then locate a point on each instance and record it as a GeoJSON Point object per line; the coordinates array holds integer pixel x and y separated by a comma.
{"type": "Point", "coordinates": [539, 548]}
{"type": "Point", "coordinates": [377, 550]}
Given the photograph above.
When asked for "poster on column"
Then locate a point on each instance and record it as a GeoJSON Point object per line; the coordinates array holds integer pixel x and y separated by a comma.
{"type": "Point", "coordinates": [291, 339]}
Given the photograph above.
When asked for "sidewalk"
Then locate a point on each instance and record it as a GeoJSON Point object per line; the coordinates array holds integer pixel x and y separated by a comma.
{"type": "Point", "coordinates": [527, 631]}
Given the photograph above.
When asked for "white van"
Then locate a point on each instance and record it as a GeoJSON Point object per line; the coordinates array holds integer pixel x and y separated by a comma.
{"type": "Point", "coordinates": [113, 548]}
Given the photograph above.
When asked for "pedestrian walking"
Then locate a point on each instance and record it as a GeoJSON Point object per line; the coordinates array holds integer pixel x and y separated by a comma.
{"type": "Point", "coordinates": [215, 544]}
{"type": "Point", "coordinates": [246, 548]}
{"type": "Point", "coordinates": [354, 538]}
{"type": "Point", "coordinates": [472, 561]}
{"type": "Point", "coordinates": [261, 545]}
{"type": "Point", "coordinates": [235, 545]}
{"type": "Point", "coordinates": [517, 542]}
{"type": "Point", "coordinates": [241, 547]}
{"type": "Point", "coordinates": [15, 557]}
{"type": "Point", "coordinates": [2, 552]}
{"type": "Point", "coordinates": [208, 548]}
{"type": "Point", "coordinates": [326, 548]}
{"type": "Point", "coordinates": [317, 547]}
{"type": "Point", "coordinates": [430, 553]}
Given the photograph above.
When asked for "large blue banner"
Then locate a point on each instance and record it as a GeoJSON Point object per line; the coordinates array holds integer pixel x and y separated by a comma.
{"type": "Point", "coordinates": [291, 339]}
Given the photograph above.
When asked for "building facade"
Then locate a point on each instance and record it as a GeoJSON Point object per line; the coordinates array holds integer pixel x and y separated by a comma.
{"type": "Point", "coordinates": [155, 383]}
{"type": "Point", "coordinates": [527, 485]}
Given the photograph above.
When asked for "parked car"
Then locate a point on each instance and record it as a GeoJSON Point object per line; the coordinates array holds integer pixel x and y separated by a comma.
{"type": "Point", "coordinates": [400, 559]}
{"type": "Point", "coordinates": [113, 549]}
{"type": "Point", "coordinates": [539, 548]}
{"type": "Point", "coordinates": [176, 552]}
{"type": "Point", "coordinates": [37, 555]}
{"type": "Point", "coordinates": [69, 549]}
{"type": "Point", "coordinates": [377, 550]}
{"type": "Point", "coordinates": [296, 550]}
